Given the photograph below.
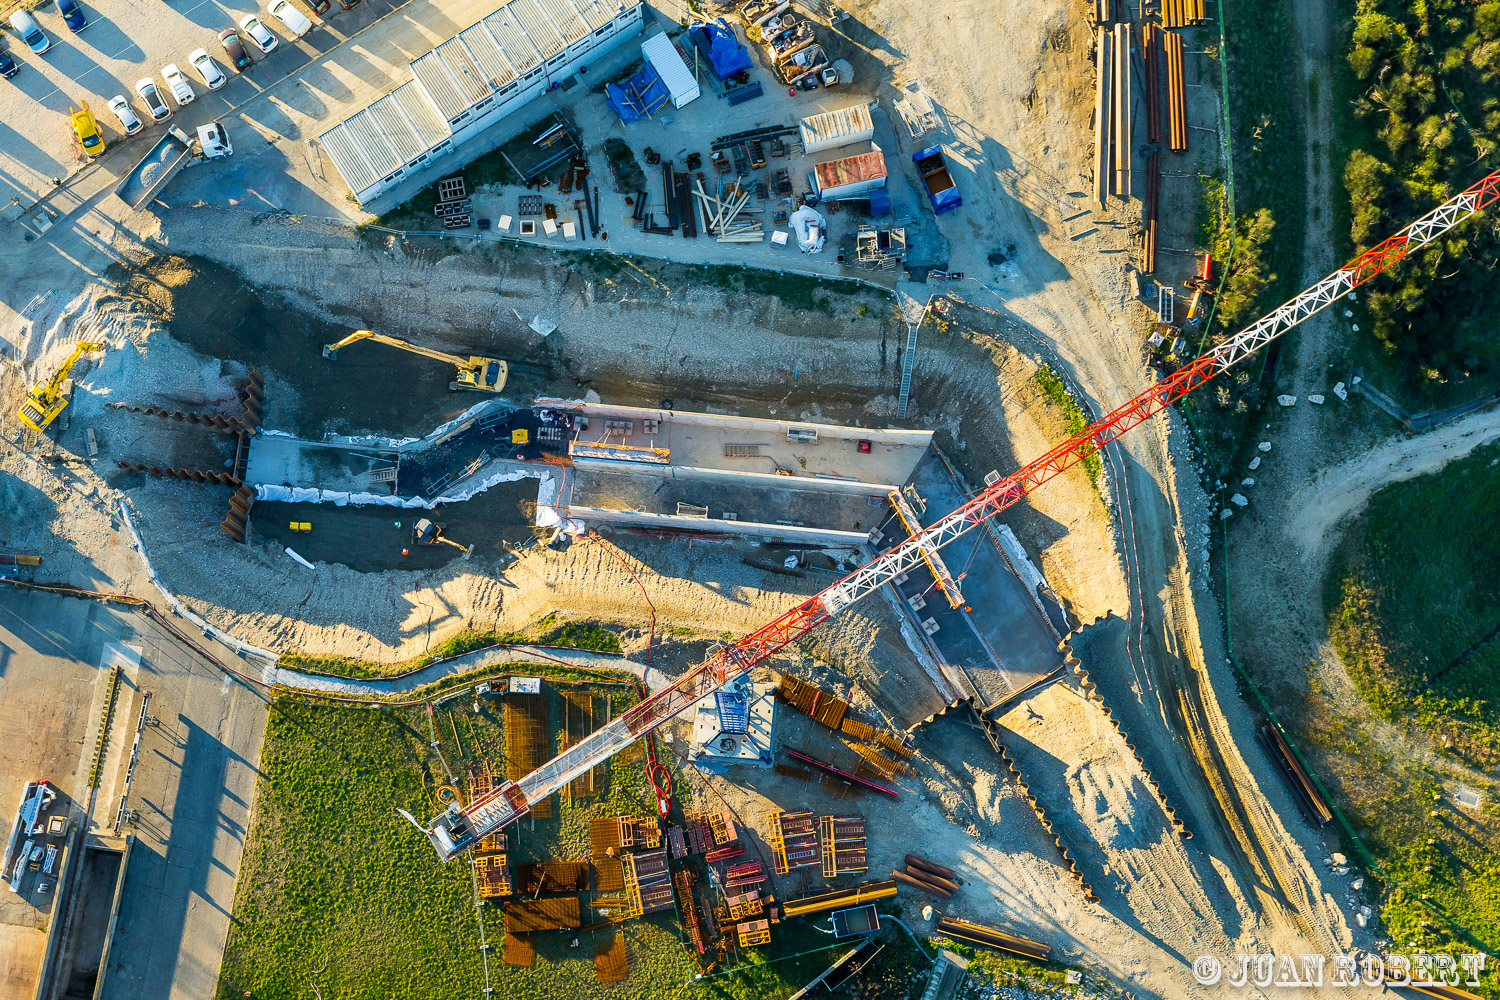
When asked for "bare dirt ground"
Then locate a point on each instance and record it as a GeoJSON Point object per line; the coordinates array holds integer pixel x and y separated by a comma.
{"type": "Point", "coordinates": [1019, 104]}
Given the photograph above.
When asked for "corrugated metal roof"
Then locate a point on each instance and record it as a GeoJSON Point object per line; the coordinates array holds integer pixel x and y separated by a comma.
{"type": "Point", "coordinates": [538, 25]}
{"type": "Point", "coordinates": [420, 112]}
{"type": "Point", "coordinates": [565, 15]}
{"type": "Point", "coordinates": [597, 13]}
{"type": "Point", "coordinates": [511, 37]}
{"type": "Point", "coordinates": [837, 128]}
{"type": "Point", "coordinates": [346, 156]}
{"type": "Point", "coordinates": [486, 52]}
{"type": "Point", "coordinates": [470, 78]}
{"type": "Point", "coordinates": [850, 170]}
{"type": "Point", "coordinates": [373, 143]}
{"type": "Point", "coordinates": [436, 79]}
{"type": "Point", "coordinates": [392, 121]}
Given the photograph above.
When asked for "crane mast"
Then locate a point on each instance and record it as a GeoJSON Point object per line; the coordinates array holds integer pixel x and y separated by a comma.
{"type": "Point", "coordinates": [455, 829]}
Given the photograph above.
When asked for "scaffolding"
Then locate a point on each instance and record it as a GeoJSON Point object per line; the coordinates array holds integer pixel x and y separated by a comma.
{"type": "Point", "coordinates": [494, 876]}
{"type": "Point", "coordinates": [648, 882]}
{"type": "Point", "coordinates": [746, 904]}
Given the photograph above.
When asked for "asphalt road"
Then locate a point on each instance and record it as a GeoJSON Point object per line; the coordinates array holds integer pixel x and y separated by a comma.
{"type": "Point", "coordinates": [192, 791]}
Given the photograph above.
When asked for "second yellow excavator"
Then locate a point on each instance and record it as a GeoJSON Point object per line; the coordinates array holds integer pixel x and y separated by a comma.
{"type": "Point", "coordinates": [474, 373]}
{"type": "Point", "coordinates": [46, 399]}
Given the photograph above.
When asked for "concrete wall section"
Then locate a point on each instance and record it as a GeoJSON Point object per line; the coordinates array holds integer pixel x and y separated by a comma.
{"type": "Point", "coordinates": [725, 477]}
{"type": "Point", "coordinates": [820, 537]}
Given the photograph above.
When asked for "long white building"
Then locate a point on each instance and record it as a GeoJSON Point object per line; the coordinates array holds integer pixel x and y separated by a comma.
{"type": "Point", "coordinates": [469, 83]}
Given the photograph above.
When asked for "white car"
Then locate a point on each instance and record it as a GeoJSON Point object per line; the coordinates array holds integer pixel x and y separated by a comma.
{"type": "Point", "coordinates": [213, 76]}
{"type": "Point", "coordinates": [259, 33]}
{"type": "Point", "coordinates": [296, 22]}
{"type": "Point", "coordinates": [153, 99]}
{"type": "Point", "coordinates": [123, 111]}
{"type": "Point", "coordinates": [182, 91]}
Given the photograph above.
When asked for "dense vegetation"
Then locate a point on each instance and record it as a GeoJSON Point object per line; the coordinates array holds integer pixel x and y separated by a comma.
{"type": "Point", "coordinates": [1427, 118]}
{"type": "Point", "coordinates": [1415, 616]}
{"type": "Point", "coordinates": [1057, 393]}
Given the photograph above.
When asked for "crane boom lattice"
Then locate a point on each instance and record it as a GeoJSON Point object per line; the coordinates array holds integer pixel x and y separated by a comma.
{"type": "Point", "coordinates": [454, 830]}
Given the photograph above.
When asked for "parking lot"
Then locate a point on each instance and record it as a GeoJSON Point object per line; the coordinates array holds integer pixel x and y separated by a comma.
{"type": "Point", "coordinates": [123, 42]}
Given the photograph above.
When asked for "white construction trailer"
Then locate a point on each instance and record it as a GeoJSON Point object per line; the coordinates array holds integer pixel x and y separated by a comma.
{"type": "Point", "coordinates": [832, 129]}
{"type": "Point", "coordinates": [669, 65]}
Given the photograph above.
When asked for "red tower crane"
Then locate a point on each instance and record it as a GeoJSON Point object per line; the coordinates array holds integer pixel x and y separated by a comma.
{"type": "Point", "coordinates": [455, 829]}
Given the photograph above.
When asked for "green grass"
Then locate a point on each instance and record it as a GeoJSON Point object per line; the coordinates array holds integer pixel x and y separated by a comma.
{"type": "Point", "coordinates": [1053, 388]}
{"type": "Point", "coordinates": [1414, 600]}
{"type": "Point", "coordinates": [1413, 604]}
{"type": "Point", "coordinates": [465, 641]}
{"type": "Point", "coordinates": [579, 635]}
{"type": "Point", "coordinates": [338, 889]}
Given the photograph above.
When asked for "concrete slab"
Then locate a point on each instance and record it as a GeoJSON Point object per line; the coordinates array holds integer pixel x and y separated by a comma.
{"type": "Point", "coordinates": [279, 460]}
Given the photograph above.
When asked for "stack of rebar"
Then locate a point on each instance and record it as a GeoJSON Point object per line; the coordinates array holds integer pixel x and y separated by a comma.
{"type": "Point", "coordinates": [1177, 129]}
{"type": "Point", "coordinates": [930, 878]}
{"type": "Point", "coordinates": [1122, 110]}
{"type": "Point", "coordinates": [1182, 13]}
{"type": "Point", "coordinates": [1103, 113]}
{"type": "Point", "coordinates": [1152, 212]}
{"type": "Point", "coordinates": [1152, 46]}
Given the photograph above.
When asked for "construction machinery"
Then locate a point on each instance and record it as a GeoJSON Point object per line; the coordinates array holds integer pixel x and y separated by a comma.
{"type": "Point", "coordinates": [475, 373]}
{"type": "Point", "coordinates": [456, 829]}
{"type": "Point", "coordinates": [46, 400]}
{"type": "Point", "coordinates": [428, 532]}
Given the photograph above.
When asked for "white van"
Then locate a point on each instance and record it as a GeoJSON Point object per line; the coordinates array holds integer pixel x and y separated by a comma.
{"type": "Point", "coordinates": [32, 35]}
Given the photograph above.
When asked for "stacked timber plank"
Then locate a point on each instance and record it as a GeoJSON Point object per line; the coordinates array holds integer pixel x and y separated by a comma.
{"type": "Point", "coordinates": [724, 216]}
{"type": "Point", "coordinates": [1103, 113]}
{"type": "Point", "coordinates": [1177, 130]}
{"type": "Point", "coordinates": [1182, 13]}
{"type": "Point", "coordinates": [1121, 93]}
{"type": "Point", "coordinates": [1104, 11]}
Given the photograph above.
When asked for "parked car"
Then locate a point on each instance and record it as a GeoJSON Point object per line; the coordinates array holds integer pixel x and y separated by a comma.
{"type": "Point", "coordinates": [319, 7]}
{"type": "Point", "coordinates": [259, 33]}
{"type": "Point", "coordinates": [182, 91]}
{"type": "Point", "coordinates": [32, 35]}
{"type": "Point", "coordinates": [8, 66]}
{"type": "Point", "coordinates": [123, 111]}
{"type": "Point", "coordinates": [213, 76]}
{"type": "Point", "coordinates": [348, 4]}
{"type": "Point", "coordinates": [239, 58]}
{"type": "Point", "coordinates": [153, 99]}
{"type": "Point", "coordinates": [89, 136]}
{"type": "Point", "coordinates": [293, 19]}
{"type": "Point", "coordinates": [72, 14]}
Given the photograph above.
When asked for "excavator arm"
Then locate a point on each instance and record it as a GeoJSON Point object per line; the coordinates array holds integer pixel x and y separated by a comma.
{"type": "Point", "coordinates": [332, 350]}
{"type": "Point", "coordinates": [45, 400]}
{"type": "Point", "coordinates": [455, 829]}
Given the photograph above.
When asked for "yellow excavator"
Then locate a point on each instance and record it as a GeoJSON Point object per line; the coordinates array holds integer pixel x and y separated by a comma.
{"type": "Point", "coordinates": [46, 399]}
{"type": "Point", "coordinates": [474, 373]}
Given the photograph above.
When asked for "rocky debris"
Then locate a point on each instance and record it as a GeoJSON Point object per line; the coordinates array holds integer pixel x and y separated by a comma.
{"type": "Point", "coordinates": [1255, 463]}
{"type": "Point", "coordinates": [1240, 500]}
{"type": "Point", "coordinates": [1264, 446]}
{"type": "Point", "coordinates": [1248, 481]}
{"type": "Point", "coordinates": [1286, 400]}
{"type": "Point", "coordinates": [1340, 391]}
{"type": "Point", "coordinates": [1316, 397]}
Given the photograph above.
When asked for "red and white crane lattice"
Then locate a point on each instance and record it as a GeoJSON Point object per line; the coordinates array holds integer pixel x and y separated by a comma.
{"type": "Point", "coordinates": [454, 830]}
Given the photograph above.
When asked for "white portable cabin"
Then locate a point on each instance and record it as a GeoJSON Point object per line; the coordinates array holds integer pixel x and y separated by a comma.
{"type": "Point", "coordinates": [832, 129]}
{"type": "Point", "coordinates": [665, 59]}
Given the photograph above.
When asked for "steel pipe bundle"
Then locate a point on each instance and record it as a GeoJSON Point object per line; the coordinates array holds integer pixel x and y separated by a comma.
{"type": "Point", "coordinates": [912, 882]}
{"type": "Point", "coordinates": [1177, 130]}
{"type": "Point", "coordinates": [1182, 13]}
{"type": "Point", "coordinates": [1152, 213]}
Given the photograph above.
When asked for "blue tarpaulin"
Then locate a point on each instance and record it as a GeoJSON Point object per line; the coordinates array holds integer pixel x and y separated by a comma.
{"type": "Point", "coordinates": [638, 97]}
{"type": "Point", "coordinates": [725, 55]}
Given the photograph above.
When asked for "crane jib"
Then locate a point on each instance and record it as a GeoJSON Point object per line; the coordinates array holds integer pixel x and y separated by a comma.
{"type": "Point", "coordinates": [765, 641]}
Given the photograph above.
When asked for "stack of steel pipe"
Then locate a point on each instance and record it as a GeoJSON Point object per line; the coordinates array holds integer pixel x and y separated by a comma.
{"type": "Point", "coordinates": [928, 877]}
{"type": "Point", "coordinates": [1177, 130]}
{"type": "Point", "coordinates": [1103, 114]}
{"type": "Point", "coordinates": [1152, 44]}
{"type": "Point", "coordinates": [1122, 109]}
{"type": "Point", "coordinates": [1153, 209]}
{"type": "Point", "coordinates": [1182, 13]}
